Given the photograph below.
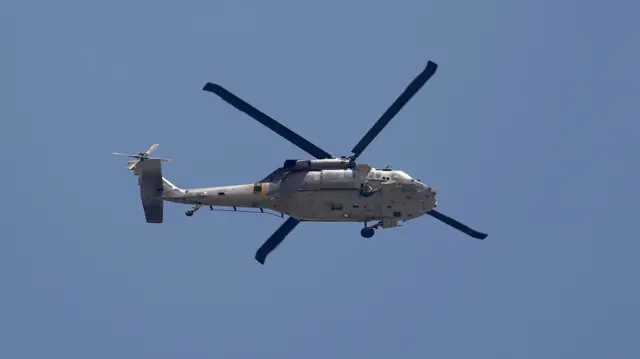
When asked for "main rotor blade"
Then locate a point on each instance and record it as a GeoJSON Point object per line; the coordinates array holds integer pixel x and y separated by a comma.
{"type": "Point", "coordinates": [276, 238]}
{"type": "Point", "coordinates": [264, 119]}
{"type": "Point", "coordinates": [457, 225]}
{"type": "Point", "coordinates": [397, 105]}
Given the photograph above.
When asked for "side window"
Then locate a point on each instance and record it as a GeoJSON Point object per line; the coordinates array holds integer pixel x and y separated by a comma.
{"type": "Point", "coordinates": [378, 174]}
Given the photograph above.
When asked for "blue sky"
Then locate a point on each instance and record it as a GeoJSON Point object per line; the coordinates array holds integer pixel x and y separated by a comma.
{"type": "Point", "coordinates": [528, 130]}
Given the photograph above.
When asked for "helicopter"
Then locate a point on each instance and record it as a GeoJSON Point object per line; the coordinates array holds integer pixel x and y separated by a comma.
{"type": "Point", "coordinates": [322, 189]}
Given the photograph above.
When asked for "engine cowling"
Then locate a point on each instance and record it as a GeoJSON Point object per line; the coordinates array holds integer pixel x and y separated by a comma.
{"type": "Point", "coordinates": [323, 164]}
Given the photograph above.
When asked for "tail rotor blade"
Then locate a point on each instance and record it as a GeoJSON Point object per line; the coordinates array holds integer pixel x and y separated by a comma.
{"type": "Point", "coordinates": [133, 164]}
{"type": "Point", "coordinates": [457, 225]}
{"type": "Point", "coordinates": [264, 119]}
{"type": "Point", "coordinates": [160, 159]}
{"type": "Point", "coordinates": [142, 156]}
{"type": "Point", "coordinates": [152, 148]}
{"type": "Point", "coordinates": [393, 110]}
{"type": "Point", "coordinates": [124, 154]}
{"type": "Point", "coordinates": [276, 238]}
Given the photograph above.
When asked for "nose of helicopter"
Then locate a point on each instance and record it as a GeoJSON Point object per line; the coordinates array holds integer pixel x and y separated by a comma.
{"type": "Point", "coordinates": [422, 188]}
{"type": "Point", "coordinates": [428, 195]}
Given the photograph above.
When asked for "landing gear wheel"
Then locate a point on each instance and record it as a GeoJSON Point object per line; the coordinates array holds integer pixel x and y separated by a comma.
{"type": "Point", "coordinates": [367, 232]}
{"type": "Point", "coordinates": [193, 210]}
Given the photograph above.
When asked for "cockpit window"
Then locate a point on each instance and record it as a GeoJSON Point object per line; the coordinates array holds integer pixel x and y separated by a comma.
{"type": "Point", "coordinates": [421, 187]}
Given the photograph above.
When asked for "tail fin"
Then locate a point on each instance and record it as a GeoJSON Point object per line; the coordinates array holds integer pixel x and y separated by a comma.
{"type": "Point", "coordinates": [152, 185]}
{"type": "Point", "coordinates": [151, 189]}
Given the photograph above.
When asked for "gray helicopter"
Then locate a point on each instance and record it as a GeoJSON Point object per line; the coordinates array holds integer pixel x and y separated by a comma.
{"type": "Point", "coordinates": [323, 189]}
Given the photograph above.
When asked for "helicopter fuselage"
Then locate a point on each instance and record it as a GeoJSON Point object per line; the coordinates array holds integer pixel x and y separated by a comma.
{"type": "Point", "coordinates": [323, 189]}
{"type": "Point", "coordinates": [329, 195]}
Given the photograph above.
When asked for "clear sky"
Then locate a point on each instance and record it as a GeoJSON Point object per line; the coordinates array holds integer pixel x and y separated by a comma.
{"type": "Point", "coordinates": [529, 131]}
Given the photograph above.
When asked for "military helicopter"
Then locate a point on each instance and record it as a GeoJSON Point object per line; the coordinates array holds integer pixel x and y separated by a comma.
{"type": "Point", "coordinates": [323, 189]}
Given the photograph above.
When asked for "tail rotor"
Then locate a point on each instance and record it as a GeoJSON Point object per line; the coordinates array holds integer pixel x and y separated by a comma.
{"type": "Point", "coordinates": [141, 157]}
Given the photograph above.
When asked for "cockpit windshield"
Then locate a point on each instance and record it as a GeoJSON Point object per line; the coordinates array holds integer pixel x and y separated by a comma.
{"type": "Point", "coordinates": [420, 187]}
